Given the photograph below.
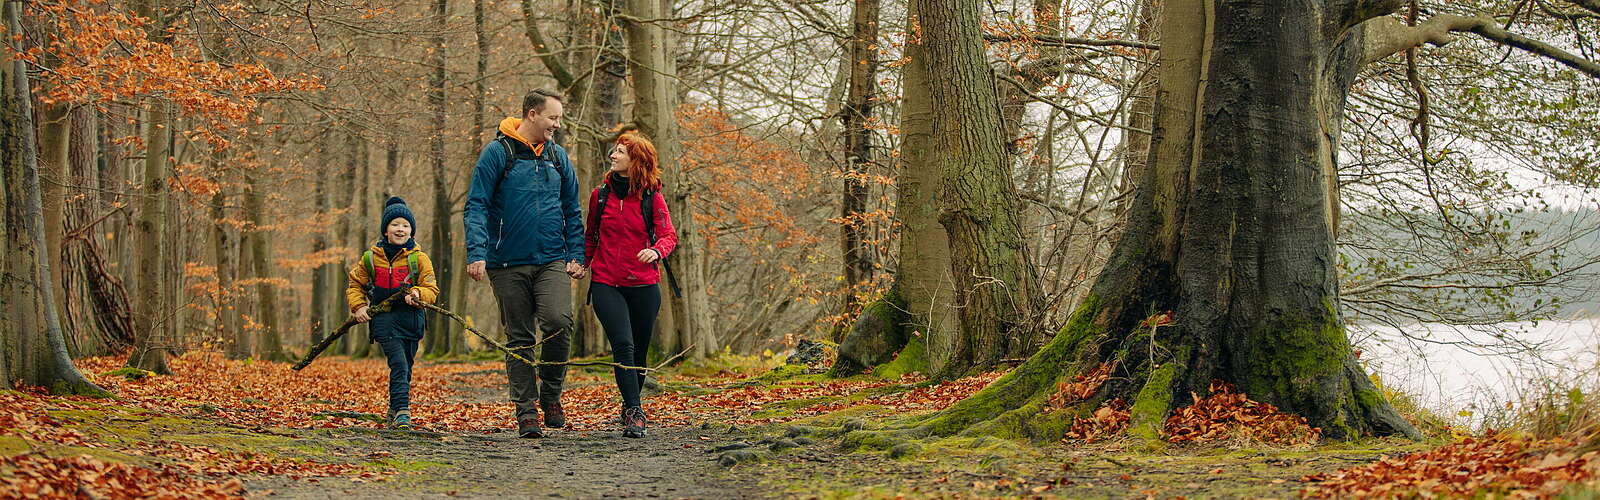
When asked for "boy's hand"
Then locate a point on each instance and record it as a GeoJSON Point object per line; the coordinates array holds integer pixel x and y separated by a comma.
{"type": "Point", "coordinates": [362, 316]}
{"type": "Point", "coordinates": [413, 296]}
{"type": "Point", "coordinates": [476, 270]}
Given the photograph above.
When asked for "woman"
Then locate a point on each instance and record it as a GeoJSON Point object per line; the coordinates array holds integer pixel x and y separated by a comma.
{"type": "Point", "coordinates": [629, 231]}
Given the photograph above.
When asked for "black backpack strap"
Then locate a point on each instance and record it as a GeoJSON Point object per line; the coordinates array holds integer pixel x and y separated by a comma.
{"type": "Point", "coordinates": [647, 208]}
{"type": "Point", "coordinates": [512, 155]}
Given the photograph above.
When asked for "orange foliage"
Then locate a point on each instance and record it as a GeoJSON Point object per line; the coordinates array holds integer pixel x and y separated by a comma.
{"type": "Point", "coordinates": [1081, 387]}
{"type": "Point", "coordinates": [748, 181]}
{"type": "Point", "coordinates": [43, 477]}
{"type": "Point", "coordinates": [1496, 463]}
{"type": "Point", "coordinates": [1227, 413]}
{"type": "Point", "coordinates": [1107, 421]}
{"type": "Point", "coordinates": [98, 55]}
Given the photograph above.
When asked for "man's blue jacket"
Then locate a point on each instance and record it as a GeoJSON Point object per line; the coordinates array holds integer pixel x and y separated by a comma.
{"type": "Point", "coordinates": [527, 215]}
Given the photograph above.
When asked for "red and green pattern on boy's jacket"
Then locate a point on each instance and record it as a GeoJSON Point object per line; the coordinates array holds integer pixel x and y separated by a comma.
{"type": "Point", "coordinates": [364, 287]}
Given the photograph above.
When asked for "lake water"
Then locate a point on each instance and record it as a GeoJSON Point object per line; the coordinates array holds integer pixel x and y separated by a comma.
{"type": "Point", "coordinates": [1454, 369]}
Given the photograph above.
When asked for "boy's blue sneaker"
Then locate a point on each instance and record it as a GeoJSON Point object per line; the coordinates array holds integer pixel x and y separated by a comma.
{"type": "Point", "coordinates": [401, 420]}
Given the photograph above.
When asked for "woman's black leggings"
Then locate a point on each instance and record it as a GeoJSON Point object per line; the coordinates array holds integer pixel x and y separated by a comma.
{"type": "Point", "coordinates": [628, 314]}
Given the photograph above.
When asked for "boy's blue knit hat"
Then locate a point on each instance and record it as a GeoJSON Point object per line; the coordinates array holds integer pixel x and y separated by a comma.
{"type": "Point", "coordinates": [393, 208]}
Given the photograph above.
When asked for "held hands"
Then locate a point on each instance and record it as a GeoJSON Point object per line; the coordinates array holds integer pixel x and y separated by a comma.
{"type": "Point", "coordinates": [362, 315]}
{"type": "Point", "coordinates": [476, 270]}
{"type": "Point", "coordinates": [576, 270]}
{"type": "Point", "coordinates": [648, 255]}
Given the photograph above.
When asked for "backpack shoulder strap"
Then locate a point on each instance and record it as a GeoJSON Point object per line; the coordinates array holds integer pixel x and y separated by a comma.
{"type": "Point", "coordinates": [600, 197]}
{"type": "Point", "coordinates": [511, 157]}
{"type": "Point", "coordinates": [366, 263]}
{"type": "Point", "coordinates": [412, 268]}
{"type": "Point", "coordinates": [647, 209]}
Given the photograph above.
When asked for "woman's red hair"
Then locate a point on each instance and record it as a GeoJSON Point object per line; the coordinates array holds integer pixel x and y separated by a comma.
{"type": "Point", "coordinates": [643, 169]}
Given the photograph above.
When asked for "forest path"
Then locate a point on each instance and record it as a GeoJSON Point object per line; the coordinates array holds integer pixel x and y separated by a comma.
{"type": "Point", "coordinates": [672, 462]}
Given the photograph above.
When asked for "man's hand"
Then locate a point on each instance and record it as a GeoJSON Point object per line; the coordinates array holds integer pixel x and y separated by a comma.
{"type": "Point", "coordinates": [413, 297]}
{"type": "Point", "coordinates": [476, 270]}
{"type": "Point", "coordinates": [648, 255]}
{"type": "Point", "coordinates": [362, 315]}
{"type": "Point", "coordinates": [576, 270]}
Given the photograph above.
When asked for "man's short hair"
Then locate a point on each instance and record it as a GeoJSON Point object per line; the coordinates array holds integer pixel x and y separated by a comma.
{"type": "Point", "coordinates": [535, 100]}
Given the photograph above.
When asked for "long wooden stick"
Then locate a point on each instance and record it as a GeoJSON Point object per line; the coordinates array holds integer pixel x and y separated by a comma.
{"type": "Point", "coordinates": [519, 357]}
{"type": "Point", "coordinates": [316, 350]}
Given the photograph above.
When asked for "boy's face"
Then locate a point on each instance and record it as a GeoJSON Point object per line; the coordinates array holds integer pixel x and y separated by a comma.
{"type": "Point", "coordinates": [398, 231]}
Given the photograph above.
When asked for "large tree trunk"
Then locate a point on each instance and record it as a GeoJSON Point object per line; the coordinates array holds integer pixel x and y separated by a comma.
{"type": "Point", "coordinates": [229, 325]}
{"type": "Point", "coordinates": [1229, 231]}
{"type": "Point", "coordinates": [994, 283]}
{"type": "Point", "coordinates": [687, 321]}
{"type": "Point", "coordinates": [149, 351]}
{"type": "Point", "coordinates": [55, 132]}
{"type": "Point", "coordinates": [862, 57]}
{"type": "Point", "coordinates": [441, 329]}
{"type": "Point", "coordinates": [149, 346]}
{"type": "Point", "coordinates": [32, 322]}
{"type": "Point", "coordinates": [269, 337]}
{"type": "Point", "coordinates": [319, 244]}
{"type": "Point", "coordinates": [922, 281]}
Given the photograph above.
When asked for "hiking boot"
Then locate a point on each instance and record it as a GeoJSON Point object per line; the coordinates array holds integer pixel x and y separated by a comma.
{"type": "Point", "coordinates": [633, 422]}
{"type": "Point", "coordinates": [401, 420]}
{"type": "Point", "coordinates": [529, 428]}
{"type": "Point", "coordinates": [553, 416]}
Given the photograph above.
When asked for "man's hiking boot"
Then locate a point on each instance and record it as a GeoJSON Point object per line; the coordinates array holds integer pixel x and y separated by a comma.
{"type": "Point", "coordinates": [633, 422]}
{"type": "Point", "coordinates": [553, 416]}
{"type": "Point", "coordinates": [528, 427]}
{"type": "Point", "coordinates": [401, 420]}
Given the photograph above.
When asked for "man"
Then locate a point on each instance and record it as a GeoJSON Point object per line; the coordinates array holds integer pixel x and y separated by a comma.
{"type": "Point", "coordinates": [525, 233]}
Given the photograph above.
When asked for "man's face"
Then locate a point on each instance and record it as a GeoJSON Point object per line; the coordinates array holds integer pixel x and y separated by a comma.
{"type": "Point", "coordinates": [545, 121]}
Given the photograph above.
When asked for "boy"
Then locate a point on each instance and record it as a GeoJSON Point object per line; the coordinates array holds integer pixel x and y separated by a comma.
{"type": "Point", "coordinates": [391, 264]}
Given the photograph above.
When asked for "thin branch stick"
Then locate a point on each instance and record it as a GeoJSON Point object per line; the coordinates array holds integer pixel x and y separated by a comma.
{"type": "Point", "coordinates": [519, 357]}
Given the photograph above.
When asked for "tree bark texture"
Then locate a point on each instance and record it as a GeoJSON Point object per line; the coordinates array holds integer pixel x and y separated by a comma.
{"type": "Point", "coordinates": [1229, 231]}
{"type": "Point", "coordinates": [862, 57]}
{"type": "Point", "coordinates": [150, 304]}
{"type": "Point", "coordinates": [995, 290]}
{"type": "Point", "coordinates": [655, 100]}
{"type": "Point", "coordinates": [43, 353]}
{"type": "Point", "coordinates": [442, 331]}
{"type": "Point", "coordinates": [269, 337]}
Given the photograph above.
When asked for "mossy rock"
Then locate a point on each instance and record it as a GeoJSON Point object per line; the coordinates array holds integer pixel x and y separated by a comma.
{"type": "Point", "coordinates": [874, 338]}
{"type": "Point", "coordinates": [129, 373]}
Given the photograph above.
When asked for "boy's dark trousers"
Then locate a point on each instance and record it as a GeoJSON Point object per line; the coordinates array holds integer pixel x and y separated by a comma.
{"type": "Point", "coordinates": [402, 355]}
{"type": "Point", "coordinates": [530, 295]}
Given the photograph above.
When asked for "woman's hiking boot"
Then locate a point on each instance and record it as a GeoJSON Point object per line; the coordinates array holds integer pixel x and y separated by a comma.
{"type": "Point", "coordinates": [401, 420]}
{"type": "Point", "coordinates": [633, 422]}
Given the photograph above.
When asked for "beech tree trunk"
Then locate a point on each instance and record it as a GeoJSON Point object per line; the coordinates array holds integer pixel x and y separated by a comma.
{"type": "Point", "coordinates": [686, 321]}
{"type": "Point", "coordinates": [34, 349]}
{"type": "Point", "coordinates": [995, 289]}
{"type": "Point", "coordinates": [863, 63]}
{"type": "Point", "coordinates": [441, 330]}
{"type": "Point", "coordinates": [269, 337]}
{"type": "Point", "coordinates": [1229, 231]}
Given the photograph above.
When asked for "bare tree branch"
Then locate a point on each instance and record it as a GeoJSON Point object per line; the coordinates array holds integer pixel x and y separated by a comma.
{"type": "Point", "coordinates": [1388, 36]}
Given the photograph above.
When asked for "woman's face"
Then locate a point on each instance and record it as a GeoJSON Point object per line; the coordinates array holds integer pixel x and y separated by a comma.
{"type": "Point", "coordinates": [619, 159]}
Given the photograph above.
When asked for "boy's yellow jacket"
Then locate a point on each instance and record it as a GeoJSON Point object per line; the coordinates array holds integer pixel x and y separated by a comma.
{"type": "Point", "coordinates": [427, 285]}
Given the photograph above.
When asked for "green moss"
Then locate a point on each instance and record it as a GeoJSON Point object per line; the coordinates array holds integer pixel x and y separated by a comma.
{"type": "Point", "coordinates": [129, 373]}
{"type": "Point", "coordinates": [784, 372]}
{"type": "Point", "coordinates": [1150, 407]}
{"type": "Point", "coordinates": [405, 465]}
{"type": "Point", "coordinates": [1027, 383]}
{"type": "Point", "coordinates": [913, 358]}
{"type": "Point", "coordinates": [870, 440]}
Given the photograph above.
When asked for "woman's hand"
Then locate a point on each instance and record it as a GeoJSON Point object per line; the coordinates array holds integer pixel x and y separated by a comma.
{"type": "Point", "coordinates": [362, 316]}
{"type": "Point", "coordinates": [648, 255]}
{"type": "Point", "coordinates": [414, 297]}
